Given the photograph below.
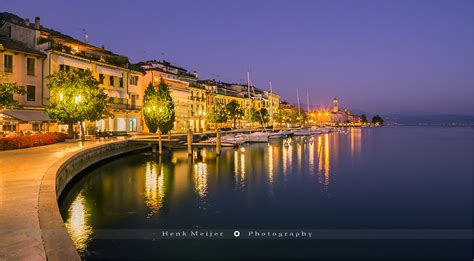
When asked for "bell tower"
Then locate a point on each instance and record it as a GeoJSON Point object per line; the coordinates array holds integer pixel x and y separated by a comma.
{"type": "Point", "coordinates": [335, 106]}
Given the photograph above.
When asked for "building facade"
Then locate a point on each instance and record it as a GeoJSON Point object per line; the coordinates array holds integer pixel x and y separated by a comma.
{"type": "Point", "coordinates": [54, 52]}
{"type": "Point", "coordinates": [30, 53]}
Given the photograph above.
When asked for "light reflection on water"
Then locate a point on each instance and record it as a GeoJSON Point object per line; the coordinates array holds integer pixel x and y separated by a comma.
{"type": "Point", "coordinates": [303, 181]}
{"type": "Point", "coordinates": [154, 187]}
{"type": "Point", "coordinates": [77, 224]}
{"type": "Point", "coordinates": [276, 159]}
{"type": "Point", "coordinates": [200, 179]}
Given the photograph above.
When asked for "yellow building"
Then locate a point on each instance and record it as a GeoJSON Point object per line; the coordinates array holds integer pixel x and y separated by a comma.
{"type": "Point", "coordinates": [199, 109]}
{"type": "Point", "coordinates": [22, 65]}
{"type": "Point", "coordinates": [119, 81]}
{"type": "Point", "coordinates": [46, 52]}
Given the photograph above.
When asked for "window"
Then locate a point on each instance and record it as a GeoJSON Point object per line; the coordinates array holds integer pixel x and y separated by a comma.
{"type": "Point", "coordinates": [30, 66]}
{"type": "Point", "coordinates": [134, 99]}
{"type": "Point", "coordinates": [9, 127]}
{"type": "Point", "coordinates": [63, 67]}
{"type": "Point", "coordinates": [9, 32]}
{"type": "Point", "coordinates": [134, 80]}
{"type": "Point", "coordinates": [121, 82]}
{"type": "Point", "coordinates": [30, 93]}
{"type": "Point", "coordinates": [36, 126]}
{"type": "Point", "coordinates": [132, 124]}
{"type": "Point", "coordinates": [111, 81]}
{"type": "Point", "coordinates": [8, 63]}
{"type": "Point", "coordinates": [101, 78]}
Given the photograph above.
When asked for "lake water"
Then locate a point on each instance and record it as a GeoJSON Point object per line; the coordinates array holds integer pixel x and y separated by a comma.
{"type": "Point", "coordinates": [406, 180]}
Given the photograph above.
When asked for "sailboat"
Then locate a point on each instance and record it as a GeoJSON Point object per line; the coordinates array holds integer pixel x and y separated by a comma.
{"type": "Point", "coordinates": [306, 131]}
{"type": "Point", "coordinates": [255, 137]}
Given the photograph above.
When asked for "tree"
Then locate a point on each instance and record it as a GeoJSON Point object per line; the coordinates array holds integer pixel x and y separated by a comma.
{"type": "Point", "coordinates": [289, 114]}
{"type": "Point", "coordinates": [377, 120]}
{"type": "Point", "coordinates": [7, 90]}
{"type": "Point", "coordinates": [363, 118]}
{"type": "Point", "coordinates": [150, 103]}
{"type": "Point", "coordinates": [234, 111]}
{"type": "Point", "coordinates": [75, 96]}
{"type": "Point", "coordinates": [279, 116]}
{"type": "Point", "coordinates": [158, 110]}
{"type": "Point", "coordinates": [262, 116]}
{"type": "Point", "coordinates": [166, 111]}
{"type": "Point", "coordinates": [218, 114]}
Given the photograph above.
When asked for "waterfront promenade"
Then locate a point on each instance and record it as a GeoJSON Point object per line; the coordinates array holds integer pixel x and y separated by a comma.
{"type": "Point", "coordinates": [21, 173]}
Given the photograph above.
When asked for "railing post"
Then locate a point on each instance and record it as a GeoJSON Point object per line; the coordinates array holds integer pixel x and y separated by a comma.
{"type": "Point", "coordinates": [218, 142]}
{"type": "Point", "coordinates": [160, 144]}
{"type": "Point", "coordinates": [190, 142]}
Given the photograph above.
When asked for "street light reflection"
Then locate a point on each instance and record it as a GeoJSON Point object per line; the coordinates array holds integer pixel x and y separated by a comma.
{"type": "Point", "coordinates": [77, 224]}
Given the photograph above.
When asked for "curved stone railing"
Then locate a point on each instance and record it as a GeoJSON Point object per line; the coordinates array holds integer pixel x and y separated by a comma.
{"type": "Point", "coordinates": [56, 241]}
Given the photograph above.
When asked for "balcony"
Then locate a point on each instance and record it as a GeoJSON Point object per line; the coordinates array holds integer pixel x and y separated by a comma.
{"type": "Point", "coordinates": [118, 103]}
{"type": "Point", "coordinates": [134, 107]}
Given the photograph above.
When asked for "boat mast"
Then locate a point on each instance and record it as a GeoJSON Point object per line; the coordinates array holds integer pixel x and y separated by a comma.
{"type": "Point", "coordinates": [250, 100]}
{"type": "Point", "coordinates": [270, 99]}
{"type": "Point", "coordinates": [307, 104]}
{"type": "Point", "coordinates": [307, 100]}
{"type": "Point", "coordinates": [298, 98]}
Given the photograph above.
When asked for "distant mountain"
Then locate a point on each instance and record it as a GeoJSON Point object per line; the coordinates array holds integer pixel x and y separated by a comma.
{"type": "Point", "coordinates": [426, 119]}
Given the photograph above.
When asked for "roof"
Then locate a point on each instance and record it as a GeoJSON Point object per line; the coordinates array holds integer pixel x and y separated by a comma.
{"type": "Point", "coordinates": [15, 19]}
{"type": "Point", "coordinates": [27, 115]}
{"type": "Point", "coordinates": [11, 44]}
{"type": "Point", "coordinates": [155, 69]}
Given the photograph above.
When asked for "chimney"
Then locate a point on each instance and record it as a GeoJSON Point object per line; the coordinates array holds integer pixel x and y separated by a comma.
{"type": "Point", "coordinates": [37, 22]}
{"type": "Point", "coordinates": [27, 22]}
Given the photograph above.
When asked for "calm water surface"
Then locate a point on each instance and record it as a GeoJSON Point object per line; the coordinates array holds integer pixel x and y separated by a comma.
{"type": "Point", "coordinates": [372, 178]}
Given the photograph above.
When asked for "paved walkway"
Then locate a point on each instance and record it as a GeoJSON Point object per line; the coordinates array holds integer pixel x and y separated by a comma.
{"type": "Point", "coordinates": [21, 172]}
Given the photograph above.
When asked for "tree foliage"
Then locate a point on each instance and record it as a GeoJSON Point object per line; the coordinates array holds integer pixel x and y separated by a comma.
{"type": "Point", "coordinates": [234, 111]}
{"type": "Point", "coordinates": [7, 90]}
{"type": "Point", "coordinates": [288, 114]}
{"type": "Point", "coordinates": [363, 118]}
{"type": "Point", "coordinates": [377, 120]}
{"type": "Point", "coordinates": [261, 116]}
{"type": "Point", "coordinates": [166, 111]}
{"type": "Point", "coordinates": [75, 96]}
{"type": "Point", "coordinates": [150, 103]}
{"type": "Point", "coordinates": [158, 109]}
{"type": "Point", "coordinates": [218, 114]}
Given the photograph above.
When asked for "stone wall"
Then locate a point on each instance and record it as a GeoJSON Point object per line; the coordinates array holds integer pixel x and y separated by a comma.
{"type": "Point", "coordinates": [56, 241]}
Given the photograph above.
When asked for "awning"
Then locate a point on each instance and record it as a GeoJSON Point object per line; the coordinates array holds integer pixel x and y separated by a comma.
{"type": "Point", "coordinates": [112, 93]}
{"type": "Point", "coordinates": [109, 71]}
{"type": "Point", "coordinates": [74, 63]}
{"type": "Point", "coordinates": [123, 94]}
{"type": "Point", "coordinates": [27, 115]}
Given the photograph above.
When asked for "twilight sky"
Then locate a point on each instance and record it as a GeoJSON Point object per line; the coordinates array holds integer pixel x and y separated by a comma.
{"type": "Point", "coordinates": [376, 56]}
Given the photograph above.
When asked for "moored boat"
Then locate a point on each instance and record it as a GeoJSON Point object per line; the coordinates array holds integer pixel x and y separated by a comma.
{"type": "Point", "coordinates": [257, 137]}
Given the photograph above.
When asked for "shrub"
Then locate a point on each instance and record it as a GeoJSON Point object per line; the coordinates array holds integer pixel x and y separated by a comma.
{"type": "Point", "coordinates": [34, 140]}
